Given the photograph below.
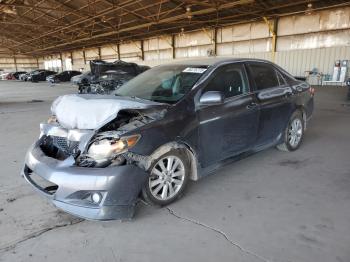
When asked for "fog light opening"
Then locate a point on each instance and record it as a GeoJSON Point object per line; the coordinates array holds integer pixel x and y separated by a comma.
{"type": "Point", "coordinates": [96, 197]}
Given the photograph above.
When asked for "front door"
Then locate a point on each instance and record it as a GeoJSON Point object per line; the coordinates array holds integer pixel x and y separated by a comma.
{"type": "Point", "coordinates": [229, 128]}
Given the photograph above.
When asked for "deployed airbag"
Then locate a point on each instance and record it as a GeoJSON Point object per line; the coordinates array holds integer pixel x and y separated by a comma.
{"type": "Point", "coordinates": [92, 111]}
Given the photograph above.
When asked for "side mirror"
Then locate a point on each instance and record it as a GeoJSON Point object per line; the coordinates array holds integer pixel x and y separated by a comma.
{"type": "Point", "coordinates": [212, 98]}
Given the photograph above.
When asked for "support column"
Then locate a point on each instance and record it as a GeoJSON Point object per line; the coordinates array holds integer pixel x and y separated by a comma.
{"type": "Point", "coordinates": [99, 53]}
{"type": "Point", "coordinates": [273, 30]}
{"type": "Point", "coordinates": [173, 46]}
{"type": "Point", "coordinates": [71, 58]}
{"type": "Point", "coordinates": [215, 41]}
{"type": "Point", "coordinates": [118, 50]}
{"type": "Point", "coordinates": [15, 61]}
{"type": "Point", "coordinates": [84, 56]}
{"type": "Point", "coordinates": [142, 51]}
{"type": "Point", "coordinates": [62, 68]}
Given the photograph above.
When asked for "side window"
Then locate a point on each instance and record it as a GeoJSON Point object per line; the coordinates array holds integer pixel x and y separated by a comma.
{"type": "Point", "coordinates": [290, 79]}
{"type": "Point", "coordinates": [280, 78]}
{"type": "Point", "coordinates": [264, 75]}
{"type": "Point", "coordinates": [230, 80]}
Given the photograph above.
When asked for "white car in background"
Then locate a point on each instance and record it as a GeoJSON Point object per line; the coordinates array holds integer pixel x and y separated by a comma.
{"type": "Point", "coordinates": [3, 76]}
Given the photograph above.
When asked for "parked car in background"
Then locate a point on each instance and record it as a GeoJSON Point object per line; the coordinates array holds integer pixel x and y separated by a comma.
{"type": "Point", "coordinates": [3, 76]}
{"type": "Point", "coordinates": [82, 79]}
{"type": "Point", "coordinates": [21, 76]}
{"type": "Point", "coordinates": [40, 75]}
{"type": "Point", "coordinates": [17, 74]}
{"type": "Point", "coordinates": [28, 76]}
{"type": "Point", "coordinates": [14, 75]}
{"type": "Point", "coordinates": [108, 81]}
{"type": "Point", "coordinates": [64, 76]}
{"type": "Point", "coordinates": [171, 124]}
{"type": "Point", "coordinates": [108, 76]}
{"type": "Point", "coordinates": [10, 76]}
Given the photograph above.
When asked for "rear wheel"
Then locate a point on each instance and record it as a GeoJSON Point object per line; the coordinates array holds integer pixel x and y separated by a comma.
{"type": "Point", "coordinates": [294, 133]}
{"type": "Point", "coordinates": [168, 178]}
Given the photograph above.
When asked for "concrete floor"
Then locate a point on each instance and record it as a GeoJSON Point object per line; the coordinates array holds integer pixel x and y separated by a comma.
{"type": "Point", "coordinates": [273, 206]}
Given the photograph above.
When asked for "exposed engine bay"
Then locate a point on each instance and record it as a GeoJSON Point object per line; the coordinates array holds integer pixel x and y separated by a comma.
{"type": "Point", "coordinates": [111, 133]}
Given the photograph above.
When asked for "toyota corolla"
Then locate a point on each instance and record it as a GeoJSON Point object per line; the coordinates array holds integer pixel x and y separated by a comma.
{"type": "Point", "coordinates": [97, 154]}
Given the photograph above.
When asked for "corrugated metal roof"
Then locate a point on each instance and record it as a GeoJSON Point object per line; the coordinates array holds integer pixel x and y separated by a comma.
{"type": "Point", "coordinates": [45, 27]}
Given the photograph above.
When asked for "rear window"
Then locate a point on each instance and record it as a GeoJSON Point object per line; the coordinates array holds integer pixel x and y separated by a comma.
{"type": "Point", "coordinates": [264, 75]}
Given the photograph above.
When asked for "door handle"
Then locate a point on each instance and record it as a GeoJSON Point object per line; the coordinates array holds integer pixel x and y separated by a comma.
{"type": "Point", "coordinates": [252, 105]}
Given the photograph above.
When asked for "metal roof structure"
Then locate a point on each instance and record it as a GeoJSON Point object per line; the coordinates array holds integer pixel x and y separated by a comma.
{"type": "Point", "coordinates": [47, 26]}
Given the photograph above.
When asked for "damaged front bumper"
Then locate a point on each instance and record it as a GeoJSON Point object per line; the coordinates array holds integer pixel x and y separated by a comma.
{"type": "Point", "coordinates": [70, 187]}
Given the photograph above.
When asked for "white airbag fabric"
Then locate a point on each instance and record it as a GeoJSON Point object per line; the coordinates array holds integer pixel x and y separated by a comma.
{"type": "Point", "coordinates": [90, 112]}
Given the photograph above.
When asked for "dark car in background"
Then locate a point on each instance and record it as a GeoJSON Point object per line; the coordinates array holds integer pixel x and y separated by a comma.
{"type": "Point", "coordinates": [27, 76]}
{"type": "Point", "coordinates": [64, 76]}
{"type": "Point", "coordinates": [169, 125]}
{"type": "Point", "coordinates": [41, 75]}
{"type": "Point", "coordinates": [109, 81]}
{"type": "Point", "coordinates": [108, 76]}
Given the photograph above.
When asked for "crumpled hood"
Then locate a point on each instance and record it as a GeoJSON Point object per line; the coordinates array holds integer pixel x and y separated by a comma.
{"type": "Point", "coordinates": [93, 111]}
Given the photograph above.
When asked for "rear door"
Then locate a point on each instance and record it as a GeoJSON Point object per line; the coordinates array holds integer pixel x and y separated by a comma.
{"type": "Point", "coordinates": [274, 97]}
{"type": "Point", "coordinates": [229, 128]}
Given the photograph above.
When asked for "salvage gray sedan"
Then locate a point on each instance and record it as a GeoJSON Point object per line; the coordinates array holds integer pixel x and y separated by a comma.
{"type": "Point", "coordinates": [97, 155]}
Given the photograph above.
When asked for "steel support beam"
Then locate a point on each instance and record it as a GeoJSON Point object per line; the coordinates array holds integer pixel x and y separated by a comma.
{"type": "Point", "coordinates": [173, 46]}
{"type": "Point", "coordinates": [272, 25]}
{"type": "Point", "coordinates": [215, 40]}
{"type": "Point", "coordinates": [99, 53]}
{"type": "Point", "coordinates": [142, 51]}
{"type": "Point", "coordinates": [118, 50]}
{"type": "Point", "coordinates": [84, 56]}
{"type": "Point", "coordinates": [61, 62]}
{"type": "Point", "coordinates": [71, 58]}
{"type": "Point", "coordinates": [15, 61]}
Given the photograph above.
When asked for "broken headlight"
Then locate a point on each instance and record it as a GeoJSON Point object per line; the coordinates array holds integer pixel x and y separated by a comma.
{"type": "Point", "coordinates": [110, 147]}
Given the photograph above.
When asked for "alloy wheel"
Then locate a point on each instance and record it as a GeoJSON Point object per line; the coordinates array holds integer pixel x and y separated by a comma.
{"type": "Point", "coordinates": [167, 177]}
{"type": "Point", "coordinates": [295, 132]}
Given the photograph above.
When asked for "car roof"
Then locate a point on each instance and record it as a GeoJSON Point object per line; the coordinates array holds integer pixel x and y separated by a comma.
{"type": "Point", "coordinates": [214, 61]}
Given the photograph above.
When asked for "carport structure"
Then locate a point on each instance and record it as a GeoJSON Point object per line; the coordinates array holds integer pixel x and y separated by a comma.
{"type": "Point", "coordinates": [39, 28]}
{"type": "Point", "coordinates": [273, 206]}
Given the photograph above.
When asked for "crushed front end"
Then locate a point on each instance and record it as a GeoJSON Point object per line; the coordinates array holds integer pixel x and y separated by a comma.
{"type": "Point", "coordinates": [59, 167]}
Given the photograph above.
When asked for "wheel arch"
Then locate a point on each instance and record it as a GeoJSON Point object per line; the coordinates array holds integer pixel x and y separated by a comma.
{"type": "Point", "coordinates": [176, 145]}
{"type": "Point", "coordinates": [302, 109]}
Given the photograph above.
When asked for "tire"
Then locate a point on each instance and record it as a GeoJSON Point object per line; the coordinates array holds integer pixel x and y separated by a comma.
{"type": "Point", "coordinates": [161, 180]}
{"type": "Point", "coordinates": [293, 134]}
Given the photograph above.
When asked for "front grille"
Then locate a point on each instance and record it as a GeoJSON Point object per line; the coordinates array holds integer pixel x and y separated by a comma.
{"type": "Point", "coordinates": [62, 143]}
{"type": "Point", "coordinates": [58, 147]}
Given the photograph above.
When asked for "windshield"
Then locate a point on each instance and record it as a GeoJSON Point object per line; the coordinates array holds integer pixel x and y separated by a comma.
{"type": "Point", "coordinates": [166, 84]}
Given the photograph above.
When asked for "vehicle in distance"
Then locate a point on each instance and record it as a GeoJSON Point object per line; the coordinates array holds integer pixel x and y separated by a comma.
{"type": "Point", "coordinates": [64, 76]}
{"type": "Point", "coordinates": [82, 79]}
{"type": "Point", "coordinates": [171, 124]}
{"type": "Point", "coordinates": [14, 75]}
{"type": "Point", "coordinates": [109, 76]}
{"type": "Point", "coordinates": [40, 75]}
{"type": "Point", "coordinates": [27, 76]}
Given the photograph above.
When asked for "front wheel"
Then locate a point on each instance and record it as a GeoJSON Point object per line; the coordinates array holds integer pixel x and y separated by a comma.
{"type": "Point", "coordinates": [294, 133]}
{"type": "Point", "coordinates": [168, 178]}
